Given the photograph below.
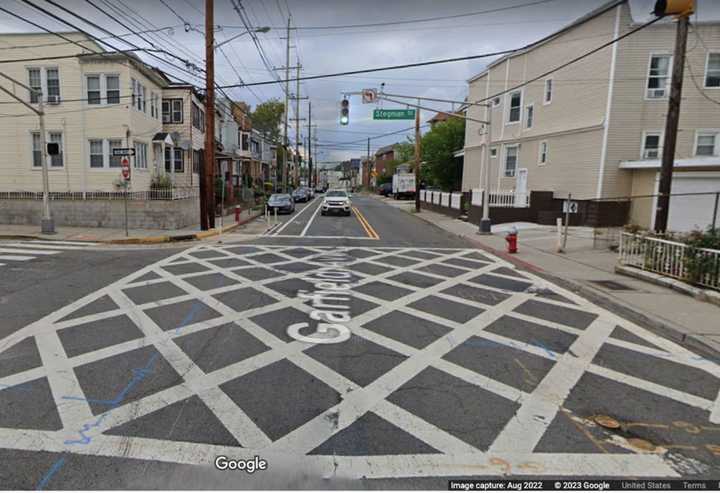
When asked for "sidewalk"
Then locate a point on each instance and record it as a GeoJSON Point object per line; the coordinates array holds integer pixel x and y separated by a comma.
{"type": "Point", "coordinates": [112, 235]}
{"type": "Point", "coordinates": [674, 315]}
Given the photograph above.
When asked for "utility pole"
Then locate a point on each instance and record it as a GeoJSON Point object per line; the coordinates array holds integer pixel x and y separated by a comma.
{"type": "Point", "coordinates": [207, 220]}
{"type": "Point", "coordinates": [671, 125]}
{"type": "Point", "coordinates": [285, 170]}
{"type": "Point", "coordinates": [417, 158]}
{"type": "Point", "coordinates": [297, 124]}
{"type": "Point", "coordinates": [485, 222]}
{"type": "Point", "coordinates": [47, 223]}
{"type": "Point", "coordinates": [369, 165]}
{"type": "Point", "coordinates": [309, 147]}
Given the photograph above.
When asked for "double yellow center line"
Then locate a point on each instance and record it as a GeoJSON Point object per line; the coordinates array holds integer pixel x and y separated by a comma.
{"type": "Point", "coordinates": [366, 225]}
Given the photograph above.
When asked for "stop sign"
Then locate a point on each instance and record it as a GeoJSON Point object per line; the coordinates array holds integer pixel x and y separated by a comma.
{"type": "Point", "coordinates": [125, 162]}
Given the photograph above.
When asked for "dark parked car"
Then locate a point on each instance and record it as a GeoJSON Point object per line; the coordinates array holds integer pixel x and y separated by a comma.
{"type": "Point", "coordinates": [385, 189]}
{"type": "Point", "coordinates": [281, 202]}
{"type": "Point", "coordinates": [301, 194]}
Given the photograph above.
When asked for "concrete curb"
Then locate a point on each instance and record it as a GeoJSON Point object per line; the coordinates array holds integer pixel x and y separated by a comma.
{"type": "Point", "coordinates": [699, 294]}
{"type": "Point", "coordinates": [661, 327]}
{"type": "Point", "coordinates": [148, 240]}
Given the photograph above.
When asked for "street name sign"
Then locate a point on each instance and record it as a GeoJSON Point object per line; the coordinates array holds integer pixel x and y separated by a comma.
{"type": "Point", "coordinates": [123, 151]}
{"type": "Point", "coordinates": [381, 114]}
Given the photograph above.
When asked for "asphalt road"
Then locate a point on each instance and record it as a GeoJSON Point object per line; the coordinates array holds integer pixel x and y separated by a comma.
{"type": "Point", "coordinates": [371, 351]}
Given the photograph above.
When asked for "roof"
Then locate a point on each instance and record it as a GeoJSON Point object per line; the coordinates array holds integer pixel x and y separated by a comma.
{"type": "Point", "coordinates": [441, 116]}
{"type": "Point", "coordinates": [385, 149]}
{"type": "Point", "coordinates": [611, 4]}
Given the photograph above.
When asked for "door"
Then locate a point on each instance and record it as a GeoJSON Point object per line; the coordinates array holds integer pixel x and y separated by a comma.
{"type": "Point", "coordinates": [690, 212]}
{"type": "Point", "coordinates": [521, 193]}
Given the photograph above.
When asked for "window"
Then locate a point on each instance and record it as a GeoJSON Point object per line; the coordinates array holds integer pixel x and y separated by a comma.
{"type": "Point", "coordinates": [706, 144]}
{"type": "Point", "coordinates": [659, 76]}
{"type": "Point", "coordinates": [652, 145]}
{"type": "Point", "coordinates": [511, 159]}
{"type": "Point", "coordinates": [143, 107]}
{"type": "Point", "coordinates": [141, 155]}
{"type": "Point", "coordinates": [179, 161]}
{"type": "Point", "coordinates": [115, 161]}
{"type": "Point", "coordinates": [174, 159]}
{"type": "Point", "coordinates": [530, 115]}
{"type": "Point", "coordinates": [153, 105]}
{"type": "Point", "coordinates": [112, 89]}
{"type": "Point", "coordinates": [198, 117]}
{"type": "Point", "coordinates": [96, 153]}
{"type": "Point", "coordinates": [34, 81]}
{"type": "Point", "coordinates": [547, 99]}
{"type": "Point", "coordinates": [133, 91]}
{"type": "Point", "coordinates": [515, 105]}
{"type": "Point", "coordinates": [543, 158]}
{"type": "Point", "coordinates": [172, 110]}
{"type": "Point", "coordinates": [197, 161]}
{"type": "Point", "coordinates": [93, 89]}
{"type": "Point", "coordinates": [53, 84]}
{"type": "Point", "coordinates": [37, 154]}
{"type": "Point", "coordinates": [712, 71]}
{"type": "Point", "coordinates": [56, 161]}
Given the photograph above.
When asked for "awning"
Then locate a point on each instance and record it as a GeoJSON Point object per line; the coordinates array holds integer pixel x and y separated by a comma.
{"type": "Point", "coordinates": [163, 137]}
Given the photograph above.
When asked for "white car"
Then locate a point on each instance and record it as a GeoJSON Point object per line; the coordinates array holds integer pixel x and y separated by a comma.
{"type": "Point", "coordinates": [336, 201]}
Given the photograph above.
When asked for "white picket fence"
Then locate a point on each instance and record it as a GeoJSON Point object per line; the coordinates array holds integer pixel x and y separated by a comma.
{"type": "Point", "coordinates": [501, 198]}
{"type": "Point", "coordinates": [158, 194]}
{"type": "Point", "coordinates": [671, 258]}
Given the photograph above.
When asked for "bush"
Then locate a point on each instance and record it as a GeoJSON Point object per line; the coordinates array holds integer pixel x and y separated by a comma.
{"type": "Point", "coordinates": [160, 182]}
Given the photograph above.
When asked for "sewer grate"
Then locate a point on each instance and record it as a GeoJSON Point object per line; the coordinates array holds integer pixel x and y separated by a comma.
{"type": "Point", "coordinates": [613, 285]}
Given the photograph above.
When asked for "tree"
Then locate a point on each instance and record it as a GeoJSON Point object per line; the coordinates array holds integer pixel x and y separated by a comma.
{"type": "Point", "coordinates": [438, 147]}
{"type": "Point", "coordinates": [267, 118]}
{"type": "Point", "coordinates": [405, 152]}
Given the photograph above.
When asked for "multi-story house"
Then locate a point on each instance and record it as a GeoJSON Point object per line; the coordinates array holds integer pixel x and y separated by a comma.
{"type": "Point", "coordinates": [183, 118]}
{"type": "Point", "coordinates": [595, 128]}
{"type": "Point", "coordinates": [93, 104]}
{"type": "Point", "coordinates": [382, 157]}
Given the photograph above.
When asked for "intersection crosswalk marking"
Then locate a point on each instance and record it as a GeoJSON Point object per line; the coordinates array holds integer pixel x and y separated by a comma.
{"type": "Point", "coordinates": [29, 251]}
{"type": "Point", "coordinates": [46, 246]}
{"type": "Point", "coordinates": [23, 251]}
{"type": "Point", "coordinates": [460, 458]}
{"type": "Point", "coordinates": [18, 258]}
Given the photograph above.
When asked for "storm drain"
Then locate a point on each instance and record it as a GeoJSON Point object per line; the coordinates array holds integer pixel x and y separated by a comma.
{"type": "Point", "coordinates": [613, 285]}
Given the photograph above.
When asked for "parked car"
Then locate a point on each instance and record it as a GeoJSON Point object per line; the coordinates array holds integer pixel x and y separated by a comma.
{"type": "Point", "coordinates": [336, 201]}
{"type": "Point", "coordinates": [282, 203]}
{"type": "Point", "coordinates": [385, 189]}
{"type": "Point", "coordinates": [301, 195]}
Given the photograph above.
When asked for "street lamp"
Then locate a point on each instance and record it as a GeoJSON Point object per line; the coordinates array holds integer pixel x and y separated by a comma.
{"type": "Point", "coordinates": [258, 30]}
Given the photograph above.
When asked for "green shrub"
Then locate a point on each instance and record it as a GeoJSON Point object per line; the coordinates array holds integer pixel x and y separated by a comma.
{"type": "Point", "coordinates": [160, 182]}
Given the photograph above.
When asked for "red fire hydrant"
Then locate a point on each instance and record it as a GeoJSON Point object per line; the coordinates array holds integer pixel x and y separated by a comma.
{"type": "Point", "coordinates": [237, 213]}
{"type": "Point", "coordinates": [512, 238]}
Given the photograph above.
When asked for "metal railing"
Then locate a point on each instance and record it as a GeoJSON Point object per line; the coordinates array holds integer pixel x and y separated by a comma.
{"type": "Point", "coordinates": [157, 194]}
{"type": "Point", "coordinates": [502, 198]}
{"type": "Point", "coordinates": [699, 266]}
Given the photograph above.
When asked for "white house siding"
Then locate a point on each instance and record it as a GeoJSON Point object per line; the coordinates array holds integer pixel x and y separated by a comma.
{"type": "Point", "coordinates": [632, 113]}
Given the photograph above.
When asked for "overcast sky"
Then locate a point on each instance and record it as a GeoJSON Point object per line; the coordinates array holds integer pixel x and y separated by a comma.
{"type": "Point", "coordinates": [334, 50]}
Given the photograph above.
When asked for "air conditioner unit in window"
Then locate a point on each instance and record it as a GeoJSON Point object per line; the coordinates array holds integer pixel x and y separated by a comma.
{"type": "Point", "coordinates": [53, 99]}
{"type": "Point", "coordinates": [656, 93]}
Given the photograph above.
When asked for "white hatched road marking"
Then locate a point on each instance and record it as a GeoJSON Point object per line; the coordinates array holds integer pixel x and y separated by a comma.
{"type": "Point", "coordinates": [18, 258]}
{"type": "Point", "coordinates": [28, 251]}
{"type": "Point", "coordinates": [24, 251]}
{"type": "Point", "coordinates": [45, 246]}
{"type": "Point", "coordinates": [511, 451]}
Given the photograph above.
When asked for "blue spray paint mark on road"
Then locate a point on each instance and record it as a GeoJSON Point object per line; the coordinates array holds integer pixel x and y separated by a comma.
{"type": "Point", "coordinates": [549, 351]}
{"type": "Point", "coordinates": [191, 314]}
{"type": "Point", "coordinates": [53, 469]}
{"type": "Point", "coordinates": [24, 387]}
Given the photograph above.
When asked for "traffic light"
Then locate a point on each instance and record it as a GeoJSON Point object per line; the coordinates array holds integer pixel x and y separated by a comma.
{"type": "Point", "coordinates": [680, 8]}
{"type": "Point", "coordinates": [344, 112]}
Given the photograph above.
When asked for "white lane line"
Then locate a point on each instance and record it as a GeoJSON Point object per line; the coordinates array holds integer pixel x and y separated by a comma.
{"type": "Point", "coordinates": [312, 218]}
{"type": "Point", "coordinates": [292, 218]}
{"type": "Point", "coordinates": [319, 237]}
{"type": "Point", "coordinates": [19, 258]}
{"type": "Point", "coordinates": [43, 246]}
{"type": "Point", "coordinates": [29, 251]}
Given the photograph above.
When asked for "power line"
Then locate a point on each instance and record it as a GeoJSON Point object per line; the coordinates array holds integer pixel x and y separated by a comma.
{"type": "Point", "coordinates": [118, 36]}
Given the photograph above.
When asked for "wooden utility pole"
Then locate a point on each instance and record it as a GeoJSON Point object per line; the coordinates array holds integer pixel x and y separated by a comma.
{"type": "Point", "coordinates": [309, 147]}
{"type": "Point", "coordinates": [417, 158]}
{"type": "Point", "coordinates": [207, 219]}
{"type": "Point", "coordinates": [297, 125]}
{"type": "Point", "coordinates": [285, 170]}
{"type": "Point", "coordinates": [671, 126]}
{"type": "Point", "coordinates": [370, 167]}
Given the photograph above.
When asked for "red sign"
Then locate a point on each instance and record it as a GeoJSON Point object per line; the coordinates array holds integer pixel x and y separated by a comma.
{"type": "Point", "coordinates": [125, 162]}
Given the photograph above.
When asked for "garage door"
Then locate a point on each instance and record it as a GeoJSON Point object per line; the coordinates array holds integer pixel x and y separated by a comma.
{"type": "Point", "coordinates": [692, 212]}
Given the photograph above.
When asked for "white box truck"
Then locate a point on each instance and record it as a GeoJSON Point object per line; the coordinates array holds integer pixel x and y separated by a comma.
{"type": "Point", "coordinates": [403, 186]}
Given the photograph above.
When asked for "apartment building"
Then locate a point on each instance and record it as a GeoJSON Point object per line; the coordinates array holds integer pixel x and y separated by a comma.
{"type": "Point", "coordinates": [594, 128]}
{"type": "Point", "coordinates": [94, 103]}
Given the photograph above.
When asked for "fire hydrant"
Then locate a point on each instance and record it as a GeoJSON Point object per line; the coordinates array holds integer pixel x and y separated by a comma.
{"type": "Point", "coordinates": [512, 238]}
{"type": "Point", "coordinates": [237, 213]}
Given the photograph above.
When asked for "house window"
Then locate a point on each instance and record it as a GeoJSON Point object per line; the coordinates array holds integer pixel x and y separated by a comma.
{"type": "Point", "coordinates": [96, 153]}
{"type": "Point", "coordinates": [712, 72]}
{"type": "Point", "coordinates": [530, 115]}
{"type": "Point", "coordinates": [198, 117]}
{"type": "Point", "coordinates": [37, 154]}
{"type": "Point", "coordinates": [35, 81]}
{"type": "Point", "coordinates": [706, 144]}
{"type": "Point", "coordinates": [112, 89]}
{"type": "Point", "coordinates": [515, 105]}
{"type": "Point", "coordinates": [245, 142]}
{"type": "Point", "coordinates": [115, 161]}
{"type": "Point", "coordinates": [134, 91]}
{"type": "Point", "coordinates": [197, 160]}
{"type": "Point", "coordinates": [144, 100]}
{"type": "Point", "coordinates": [179, 161]}
{"type": "Point", "coordinates": [659, 76]}
{"type": "Point", "coordinates": [56, 161]}
{"type": "Point", "coordinates": [141, 155]}
{"type": "Point", "coordinates": [168, 159]}
{"type": "Point", "coordinates": [93, 89]}
{"type": "Point", "coordinates": [493, 152]}
{"type": "Point", "coordinates": [174, 158]}
{"type": "Point", "coordinates": [172, 110]}
{"type": "Point", "coordinates": [651, 145]}
{"type": "Point", "coordinates": [53, 84]}
{"type": "Point", "coordinates": [511, 159]}
{"type": "Point", "coordinates": [547, 99]}
{"type": "Point", "coordinates": [543, 153]}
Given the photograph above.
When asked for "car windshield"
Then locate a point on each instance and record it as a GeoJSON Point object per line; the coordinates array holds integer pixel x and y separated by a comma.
{"type": "Point", "coordinates": [336, 193]}
{"type": "Point", "coordinates": [279, 197]}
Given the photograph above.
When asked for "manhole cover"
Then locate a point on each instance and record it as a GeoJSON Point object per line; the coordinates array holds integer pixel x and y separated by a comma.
{"type": "Point", "coordinates": [641, 444]}
{"type": "Point", "coordinates": [613, 285]}
{"type": "Point", "coordinates": [607, 422]}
